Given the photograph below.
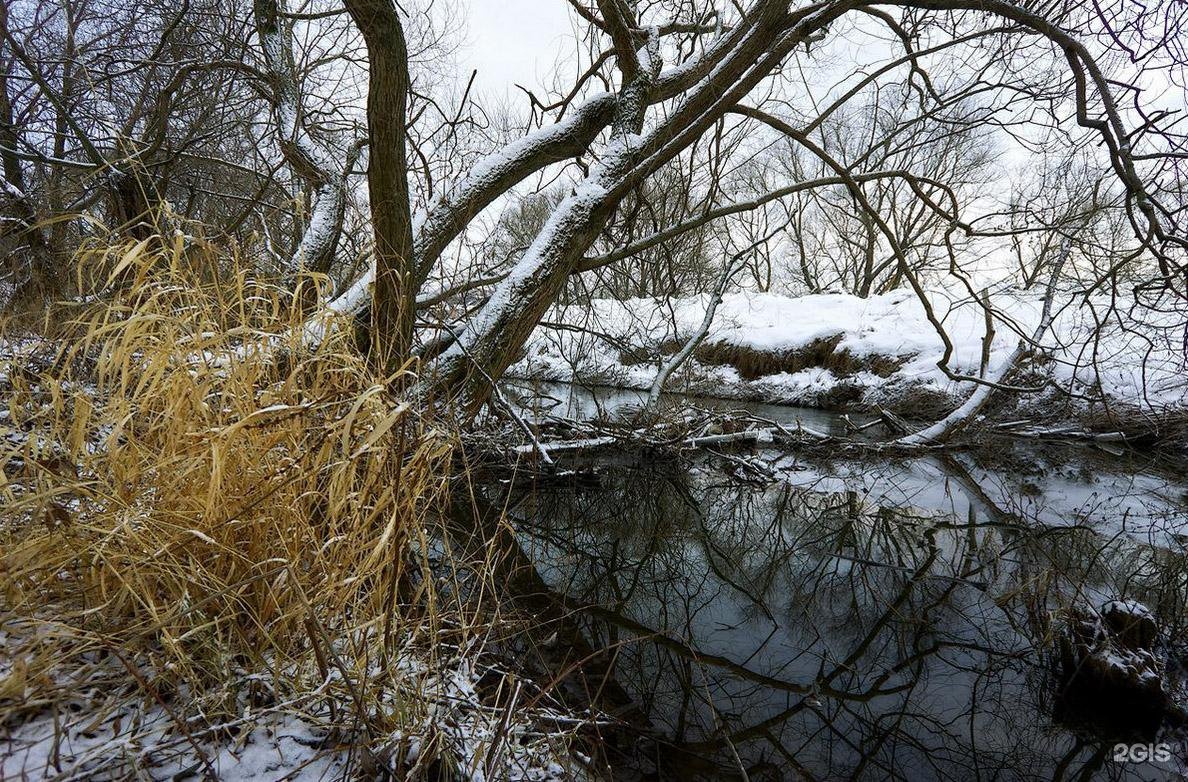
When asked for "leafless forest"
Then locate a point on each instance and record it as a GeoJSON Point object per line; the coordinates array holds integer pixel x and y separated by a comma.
{"type": "Point", "coordinates": [769, 389]}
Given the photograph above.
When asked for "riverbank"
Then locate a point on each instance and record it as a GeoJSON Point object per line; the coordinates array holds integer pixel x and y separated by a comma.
{"type": "Point", "coordinates": [840, 352]}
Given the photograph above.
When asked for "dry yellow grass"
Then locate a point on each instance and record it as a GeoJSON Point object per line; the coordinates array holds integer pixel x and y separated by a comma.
{"type": "Point", "coordinates": [193, 493]}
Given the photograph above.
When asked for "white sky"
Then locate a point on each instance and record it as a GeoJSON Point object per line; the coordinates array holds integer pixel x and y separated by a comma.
{"type": "Point", "coordinates": [513, 41]}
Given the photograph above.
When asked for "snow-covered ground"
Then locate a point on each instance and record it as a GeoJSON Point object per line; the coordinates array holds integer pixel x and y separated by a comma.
{"type": "Point", "coordinates": [1133, 355]}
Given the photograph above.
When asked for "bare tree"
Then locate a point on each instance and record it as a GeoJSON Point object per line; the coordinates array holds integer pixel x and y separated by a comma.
{"type": "Point", "coordinates": [324, 163]}
{"type": "Point", "coordinates": [716, 82]}
{"type": "Point", "coordinates": [687, 132]}
{"type": "Point", "coordinates": [121, 113]}
{"type": "Point", "coordinates": [890, 133]}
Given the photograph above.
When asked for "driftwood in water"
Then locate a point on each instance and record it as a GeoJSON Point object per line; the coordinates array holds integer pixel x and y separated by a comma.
{"type": "Point", "coordinates": [702, 430]}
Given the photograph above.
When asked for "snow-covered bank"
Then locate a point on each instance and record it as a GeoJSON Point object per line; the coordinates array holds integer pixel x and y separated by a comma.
{"type": "Point", "coordinates": [840, 351]}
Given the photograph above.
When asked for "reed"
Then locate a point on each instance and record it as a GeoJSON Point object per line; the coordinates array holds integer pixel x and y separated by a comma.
{"type": "Point", "coordinates": [190, 491]}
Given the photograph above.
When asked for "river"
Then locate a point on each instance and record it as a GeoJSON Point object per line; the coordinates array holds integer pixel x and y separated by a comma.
{"type": "Point", "coordinates": [854, 617]}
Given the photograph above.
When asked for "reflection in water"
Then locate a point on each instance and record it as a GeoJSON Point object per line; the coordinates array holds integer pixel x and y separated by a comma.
{"type": "Point", "coordinates": [856, 619]}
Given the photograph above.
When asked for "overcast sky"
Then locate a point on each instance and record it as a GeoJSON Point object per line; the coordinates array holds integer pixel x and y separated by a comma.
{"type": "Point", "coordinates": [514, 41]}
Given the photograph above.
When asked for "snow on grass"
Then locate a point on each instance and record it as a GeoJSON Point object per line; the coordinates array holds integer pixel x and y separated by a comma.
{"type": "Point", "coordinates": [1142, 363]}
{"type": "Point", "coordinates": [90, 745]}
{"type": "Point", "coordinates": [91, 721]}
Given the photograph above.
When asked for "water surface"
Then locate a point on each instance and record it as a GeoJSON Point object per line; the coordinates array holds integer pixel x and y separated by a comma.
{"type": "Point", "coordinates": [859, 618]}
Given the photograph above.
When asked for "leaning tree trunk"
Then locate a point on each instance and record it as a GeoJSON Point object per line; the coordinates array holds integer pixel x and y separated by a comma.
{"type": "Point", "coordinates": [694, 341]}
{"type": "Point", "coordinates": [393, 310]}
{"type": "Point", "coordinates": [319, 244]}
{"type": "Point", "coordinates": [325, 166]}
{"type": "Point", "coordinates": [467, 371]}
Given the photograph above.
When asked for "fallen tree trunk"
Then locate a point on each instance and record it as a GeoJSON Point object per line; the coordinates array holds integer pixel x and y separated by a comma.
{"type": "Point", "coordinates": [960, 418]}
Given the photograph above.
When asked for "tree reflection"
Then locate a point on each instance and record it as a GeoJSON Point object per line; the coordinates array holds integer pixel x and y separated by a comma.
{"type": "Point", "coordinates": [786, 631]}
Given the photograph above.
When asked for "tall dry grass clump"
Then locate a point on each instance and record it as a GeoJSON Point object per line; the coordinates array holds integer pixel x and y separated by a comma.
{"type": "Point", "coordinates": [190, 489]}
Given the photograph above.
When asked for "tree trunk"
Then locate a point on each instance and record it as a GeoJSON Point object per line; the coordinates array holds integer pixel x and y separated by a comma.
{"type": "Point", "coordinates": [492, 340]}
{"type": "Point", "coordinates": [9, 136]}
{"type": "Point", "coordinates": [694, 341]}
{"type": "Point", "coordinates": [394, 299]}
{"type": "Point", "coordinates": [324, 165]}
{"type": "Point", "coordinates": [130, 206]}
{"type": "Point", "coordinates": [30, 261]}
